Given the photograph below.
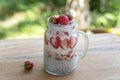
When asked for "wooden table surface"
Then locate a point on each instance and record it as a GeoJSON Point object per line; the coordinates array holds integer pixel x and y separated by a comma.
{"type": "Point", "coordinates": [102, 61]}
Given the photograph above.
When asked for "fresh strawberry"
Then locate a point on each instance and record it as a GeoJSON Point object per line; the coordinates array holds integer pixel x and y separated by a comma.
{"type": "Point", "coordinates": [57, 32]}
{"type": "Point", "coordinates": [72, 42]}
{"type": "Point", "coordinates": [69, 15]}
{"type": "Point", "coordinates": [69, 55]}
{"type": "Point", "coordinates": [55, 42]}
{"type": "Point", "coordinates": [63, 20]}
{"type": "Point", "coordinates": [49, 55]}
{"type": "Point", "coordinates": [45, 39]}
{"type": "Point", "coordinates": [28, 65]}
{"type": "Point", "coordinates": [58, 58]}
{"type": "Point", "coordinates": [66, 33]}
{"type": "Point", "coordinates": [53, 20]}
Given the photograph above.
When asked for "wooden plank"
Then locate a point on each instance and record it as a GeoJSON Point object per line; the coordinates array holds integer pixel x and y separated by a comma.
{"type": "Point", "coordinates": [19, 47]}
{"type": "Point", "coordinates": [92, 67]}
{"type": "Point", "coordinates": [102, 61]}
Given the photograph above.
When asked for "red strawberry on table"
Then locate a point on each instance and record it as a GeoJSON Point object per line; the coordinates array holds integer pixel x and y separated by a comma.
{"type": "Point", "coordinates": [53, 20]}
{"type": "Point", "coordinates": [72, 42]}
{"type": "Point", "coordinates": [28, 65]}
{"type": "Point", "coordinates": [55, 42]}
{"type": "Point", "coordinates": [63, 20]}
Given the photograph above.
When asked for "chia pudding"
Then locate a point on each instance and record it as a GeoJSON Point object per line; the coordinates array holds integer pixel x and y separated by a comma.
{"type": "Point", "coordinates": [60, 41]}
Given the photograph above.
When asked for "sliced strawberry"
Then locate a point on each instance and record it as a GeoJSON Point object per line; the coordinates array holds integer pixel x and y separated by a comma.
{"type": "Point", "coordinates": [53, 20]}
{"type": "Point", "coordinates": [73, 55]}
{"type": "Point", "coordinates": [58, 58]}
{"type": "Point", "coordinates": [55, 42]}
{"type": "Point", "coordinates": [49, 55]}
{"type": "Point", "coordinates": [72, 42]}
{"type": "Point", "coordinates": [66, 33]}
{"type": "Point", "coordinates": [45, 39]}
{"type": "Point", "coordinates": [69, 55]}
{"type": "Point", "coordinates": [57, 32]}
{"type": "Point", "coordinates": [64, 44]}
{"type": "Point", "coordinates": [63, 20]}
{"type": "Point", "coordinates": [70, 52]}
{"type": "Point", "coordinates": [63, 56]}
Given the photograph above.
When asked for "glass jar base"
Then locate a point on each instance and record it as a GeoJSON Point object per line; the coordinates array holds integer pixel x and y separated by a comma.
{"type": "Point", "coordinates": [58, 74]}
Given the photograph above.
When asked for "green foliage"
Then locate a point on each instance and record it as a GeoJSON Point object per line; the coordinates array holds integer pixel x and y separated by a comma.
{"type": "Point", "coordinates": [106, 20]}
{"type": "Point", "coordinates": [105, 15]}
{"type": "Point", "coordinates": [59, 3]}
{"type": "Point", "coordinates": [32, 14]}
{"type": "Point", "coordinates": [113, 6]}
{"type": "Point", "coordinates": [8, 7]}
{"type": "Point", "coordinates": [118, 19]}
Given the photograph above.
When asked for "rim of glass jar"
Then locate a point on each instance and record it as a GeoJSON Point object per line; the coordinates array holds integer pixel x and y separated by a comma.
{"type": "Point", "coordinates": [60, 27]}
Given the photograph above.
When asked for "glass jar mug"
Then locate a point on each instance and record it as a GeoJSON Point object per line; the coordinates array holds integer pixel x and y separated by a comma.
{"type": "Point", "coordinates": [63, 47]}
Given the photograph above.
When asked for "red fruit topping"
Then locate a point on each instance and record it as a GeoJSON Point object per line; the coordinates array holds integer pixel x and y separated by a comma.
{"type": "Point", "coordinates": [69, 15]}
{"type": "Point", "coordinates": [72, 42]}
{"type": "Point", "coordinates": [55, 42]}
{"type": "Point", "coordinates": [68, 55]}
{"type": "Point", "coordinates": [57, 32]}
{"type": "Point", "coordinates": [45, 39]}
{"type": "Point", "coordinates": [49, 55]}
{"type": "Point", "coordinates": [62, 55]}
{"type": "Point", "coordinates": [66, 33]}
{"type": "Point", "coordinates": [53, 20]}
{"type": "Point", "coordinates": [63, 20]}
{"type": "Point", "coordinates": [58, 58]}
{"type": "Point", "coordinates": [28, 65]}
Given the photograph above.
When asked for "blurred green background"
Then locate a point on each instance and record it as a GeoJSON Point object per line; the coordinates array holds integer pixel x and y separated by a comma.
{"type": "Point", "coordinates": [27, 18]}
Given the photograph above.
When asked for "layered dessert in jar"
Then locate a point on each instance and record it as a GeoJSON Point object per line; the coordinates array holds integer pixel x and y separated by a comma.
{"type": "Point", "coordinates": [60, 40]}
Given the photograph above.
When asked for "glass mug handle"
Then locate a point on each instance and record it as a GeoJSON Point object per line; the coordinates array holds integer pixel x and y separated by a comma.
{"type": "Point", "coordinates": [85, 44]}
